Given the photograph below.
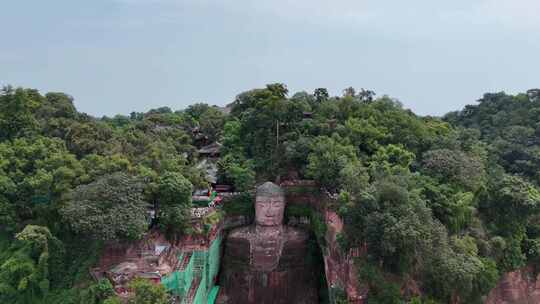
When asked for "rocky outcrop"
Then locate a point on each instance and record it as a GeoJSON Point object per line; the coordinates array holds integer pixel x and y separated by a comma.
{"type": "Point", "coordinates": [517, 287]}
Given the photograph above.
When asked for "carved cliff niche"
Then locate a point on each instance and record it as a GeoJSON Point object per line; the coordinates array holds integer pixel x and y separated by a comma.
{"type": "Point", "coordinates": [277, 258]}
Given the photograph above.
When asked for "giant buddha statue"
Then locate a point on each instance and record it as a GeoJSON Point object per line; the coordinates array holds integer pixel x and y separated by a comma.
{"type": "Point", "coordinates": [266, 263]}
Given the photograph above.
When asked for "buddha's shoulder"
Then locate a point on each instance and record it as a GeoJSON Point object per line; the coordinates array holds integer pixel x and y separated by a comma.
{"type": "Point", "coordinates": [296, 234]}
{"type": "Point", "coordinates": [240, 233]}
{"type": "Point", "coordinates": [238, 243]}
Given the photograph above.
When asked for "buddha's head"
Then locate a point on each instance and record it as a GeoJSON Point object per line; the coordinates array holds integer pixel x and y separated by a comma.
{"type": "Point", "coordinates": [269, 205]}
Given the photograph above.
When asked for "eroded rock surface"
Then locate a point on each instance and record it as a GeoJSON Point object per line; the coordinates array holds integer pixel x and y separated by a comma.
{"type": "Point", "coordinates": [339, 265]}
{"type": "Point", "coordinates": [517, 287]}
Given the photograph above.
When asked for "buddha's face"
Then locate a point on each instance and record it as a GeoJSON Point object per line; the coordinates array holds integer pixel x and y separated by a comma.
{"type": "Point", "coordinates": [269, 210]}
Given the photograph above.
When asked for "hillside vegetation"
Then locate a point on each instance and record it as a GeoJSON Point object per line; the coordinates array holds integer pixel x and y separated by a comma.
{"type": "Point", "coordinates": [451, 203]}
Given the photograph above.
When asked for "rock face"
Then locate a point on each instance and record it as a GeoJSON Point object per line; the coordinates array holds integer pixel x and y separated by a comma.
{"type": "Point", "coordinates": [266, 263]}
{"type": "Point", "coordinates": [517, 287]}
{"type": "Point", "coordinates": [339, 266]}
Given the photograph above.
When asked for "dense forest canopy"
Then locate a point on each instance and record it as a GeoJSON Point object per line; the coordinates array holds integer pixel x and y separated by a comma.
{"type": "Point", "coordinates": [451, 202]}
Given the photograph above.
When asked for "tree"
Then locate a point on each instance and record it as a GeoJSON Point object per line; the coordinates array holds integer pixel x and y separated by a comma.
{"type": "Point", "coordinates": [112, 300]}
{"type": "Point", "coordinates": [366, 95]}
{"type": "Point", "coordinates": [174, 199]}
{"type": "Point", "coordinates": [454, 166]}
{"type": "Point", "coordinates": [147, 292]}
{"type": "Point", "coordinates": [8, 217]}
{"type": "Point", "coordinates": [34, 173]}
{"type": "Point", "coordinates": [97, 165]}
{"type": "Point", "coordinates": [211, 123]}
{"type": "Point", "coordinates": [349, 92]}
{"type": "Point", "coordinates": [242, 176]}
{"type": "Point", "coordinates": [511, 201]}
{"type": "Point", "coordinates": [266, 118]}
{"type": "Point", "coordinates": [232, 141]}
{"type": "Point", "coordinates": [236, 171]}
{"type": "Point", "coordinates": [391, 158]}
{"type": "Point", "coordinates": [111, 208]}
{"type": "Point", "coordinates": [354, 178]}
{"type": "Point", "coordinates": [89, 137]}
{"type": "Point", "coordinates": [98, 293]}
{"type": "Point", "coordinates": [365, 134]}
{"type": "Point", "coordinates": [57, 105]}
{"type": "Point", "coordinates": [197, 110]}
{"type": "Point", "coordinates": [25, 275]}
{"type": "Point", "coordinates": [16, 113]}
{"type": "Point", "coordinates": [329, 157]}
{"type": "Point", "coordinates": [321, 94]}
{"type": "Point", "coordinates": [278, 89]}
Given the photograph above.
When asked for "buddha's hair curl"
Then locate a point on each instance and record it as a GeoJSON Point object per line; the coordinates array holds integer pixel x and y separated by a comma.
{"type": "Point", "coordinates": [270, 189]}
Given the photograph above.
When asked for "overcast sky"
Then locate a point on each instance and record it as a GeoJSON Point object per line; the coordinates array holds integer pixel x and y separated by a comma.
{"type": "Point", "coordinates": [119, 56]}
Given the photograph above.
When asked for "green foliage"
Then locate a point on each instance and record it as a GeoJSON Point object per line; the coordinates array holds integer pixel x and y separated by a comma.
{"type": "Point", "coordinates": [390, 159]}
{"type": "Point", "coordinates": [449, 205]}
{"type": "Point", "coordinates": [16, 107]}
{"type": "Point", "coordinates": [327, 160]}
{"type": "Point", "coordinates": [365, 134]}
{"type": "Point", "coordinates": [174, 199]}
{"type": "Point", "coordinates": [452, 203]}
{"type": "Point", "coordinates": [147, 292]}
{"type": "Point", "coordinates": [509, 203]}
{"type": "Point", "coordinates": [211, 123]}
{"type": "Point", "coordinates": [8, 217]}
{"type": "Point", "coordinates": [112, 300]}
{"type": "Point", "coordinates": [267, 120]}
{"type": "Point", "coordinates": [339, 295]}
{"type": "Point", "coordinates": [98, 293]}
{"type": "Point", "coordinates": [74, 174]}
{"type": "Point", "coordinates": [381, 291]}
{"type": "Point", "coordinates": [237, 172]}
{"type": "Point", "coordinates": [111, 208]}
{"type": "Point", "coordinates": [240, 205]}
{"type": "Point", "coordinates": [423, 300]}
{"type": "Point", "coordinates": [508, 124]}
{"type": "Point", "coordinates": [25, 275]}
{"type": "Point", "coordinates": [316, 220]}
{"type": "Point", "coordinates": [35, 172]}
{"type": "Point", "coordinates": [450, 166]}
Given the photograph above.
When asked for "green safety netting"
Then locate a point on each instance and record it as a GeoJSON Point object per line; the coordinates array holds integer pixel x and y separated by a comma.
{"type": "Point", "coordinates": [214, 254]}
{"type": "Point", "coordinates": [203, 264]}
{"type": "Point", "coordinates": [213, 295]}
{"type": "Point", "coordinates": [179, 282]}
{"type": "Point", "coordinates": [202, 293]}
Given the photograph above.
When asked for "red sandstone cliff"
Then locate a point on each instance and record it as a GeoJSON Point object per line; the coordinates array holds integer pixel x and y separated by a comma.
{"type": "Point", "coordinates": [517, 287]}
{"type": "Point", "coordinates": [339, 266]}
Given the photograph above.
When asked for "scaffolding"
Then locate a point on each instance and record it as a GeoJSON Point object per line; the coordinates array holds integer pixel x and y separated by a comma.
{"type": "Point", "coordinates": [194, 281]}
{"type": "Point", "coordinates": [213, 295]}
{"type": "Point", "coordinates": [201, 297]}
{"type": "Point", "coordinates": [179, 282]}
{"type": "Point", "coordinates": [214, 254]}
